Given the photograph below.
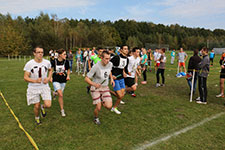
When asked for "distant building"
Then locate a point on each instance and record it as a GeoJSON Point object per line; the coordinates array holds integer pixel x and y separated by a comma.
{"type": "Point", "coordinates": [219, 50]}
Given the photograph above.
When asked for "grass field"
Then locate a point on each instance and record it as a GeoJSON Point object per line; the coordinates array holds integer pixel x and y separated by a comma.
{"type": "Point", "coordinates": [154, 113]}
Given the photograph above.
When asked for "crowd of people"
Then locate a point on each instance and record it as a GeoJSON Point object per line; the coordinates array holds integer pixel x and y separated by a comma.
{"type": "Point", "coordinates": [123, 68]}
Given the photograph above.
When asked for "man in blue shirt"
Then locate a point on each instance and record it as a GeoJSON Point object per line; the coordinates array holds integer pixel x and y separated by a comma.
{"type": "Point", "coordinates": [211, 56]}
{"type": "Point", "coordinates": [172, 56]}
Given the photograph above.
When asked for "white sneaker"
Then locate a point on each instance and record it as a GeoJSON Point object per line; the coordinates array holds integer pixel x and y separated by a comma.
{"type": "Point", "coordinates": [115, 110]}
{"type": "Point", "coordinates": [200, 102]}
{"type": "Point", "coordinates": [97, 121]}
{"type": "Point", "coordinates": [198, 99]}
{"type": "Point", "coordinates": [122, 102]}
{"type": "Point", "coordinates": [220, 95]}
{"type": "Point", "coordinates": [63, 113]}
{"type": "Point", "coordinates": [157, 85]}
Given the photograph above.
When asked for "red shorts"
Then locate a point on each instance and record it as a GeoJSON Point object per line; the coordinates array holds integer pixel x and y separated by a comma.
{"type": "Point", "coordinates": [157, 64]}
{"type": "Point", "coordinates": [181, 64]}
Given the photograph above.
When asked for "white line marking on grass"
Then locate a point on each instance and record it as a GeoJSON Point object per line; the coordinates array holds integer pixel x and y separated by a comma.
{"type": "Point", "coordinates": [165, 138]}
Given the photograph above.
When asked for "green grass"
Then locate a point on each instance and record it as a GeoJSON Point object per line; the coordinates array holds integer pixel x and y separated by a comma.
{"type": "Point", "coordinates": [154, 113]}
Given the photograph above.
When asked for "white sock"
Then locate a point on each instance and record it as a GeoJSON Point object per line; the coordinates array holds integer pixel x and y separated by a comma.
{"type": "Point", "coordinates": [36, 118]}
{"type": "Point", "coordinates": [62, 110]}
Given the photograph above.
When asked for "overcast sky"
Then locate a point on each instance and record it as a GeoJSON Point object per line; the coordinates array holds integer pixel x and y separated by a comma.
{"type": "Point", "coordinates": [209, 14]}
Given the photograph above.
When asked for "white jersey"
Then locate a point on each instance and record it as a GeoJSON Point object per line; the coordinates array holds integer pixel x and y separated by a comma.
{"type": "Point", "coordinates": [132, 66]}
{"type": "Point", "coordinates": [155, 56]}
{"type": "Point", "coordinates": [158, 57]}
{"type": "Point", "coordinates": [37, 70]}
{"type": "Point", "coordinates": [100, 74]}
{"type": "Point", "coordinates": [56, 55]}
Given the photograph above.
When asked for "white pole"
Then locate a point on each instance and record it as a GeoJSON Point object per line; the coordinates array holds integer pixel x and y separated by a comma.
{"type": "Point", "coordinates": [24, 58]}
{"type": "Point", "coordinates": [19, 58]}
{"type": "Point", "coordinates": [8, 57]}
{"type": "Point", "coordinates": [85, 66]}
{"type": "Point", "coordinates": [192, 85]}
{"type": "Point", "coordinates": [178, 66]}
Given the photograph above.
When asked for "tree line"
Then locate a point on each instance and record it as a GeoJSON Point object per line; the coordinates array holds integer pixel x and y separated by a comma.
{"type": "Point", "coordinates": [20, 35]}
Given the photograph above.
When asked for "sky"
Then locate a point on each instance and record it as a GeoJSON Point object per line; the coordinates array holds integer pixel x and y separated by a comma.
{"type": "Point", "coordinates": [208, 14]}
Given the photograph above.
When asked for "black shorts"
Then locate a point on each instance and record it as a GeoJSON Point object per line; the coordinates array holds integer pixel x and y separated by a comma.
{"type": "Point", "coordinates": [129, 81]}
{"type": "Point", "coordinates": [222, 73]}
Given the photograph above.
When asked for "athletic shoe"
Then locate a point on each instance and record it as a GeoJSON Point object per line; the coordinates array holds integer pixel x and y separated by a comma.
{"type": "Point", "coordinates": [122, 102]}
{"type": "Point", "coordinates": [162, 85]}
{"type": "Point", "coordinates": [200, 102]}
{"type": "Point", "coordinates": [88, 89]}
{"type": "Point", "coordinates": [115, 110]}
{"type": "Point", "coordinates": [198, 99]}
{"type": "Point", "coordinates": [133, 95]}
{"type": "Point", "coordinates": [220, 95]}
{"type": "Point", "coordinates": [43, 113]}
{"type": "Point", "coordinates": [97, 121]}
{"type": "Point", "coordinates": [38, 121]}
{"type": "Point", "coordinates": [143, 82]}
{"type": "Point", "coordinates": [157, 85]}
{"type": "Point", "coordinates": [63, 113]}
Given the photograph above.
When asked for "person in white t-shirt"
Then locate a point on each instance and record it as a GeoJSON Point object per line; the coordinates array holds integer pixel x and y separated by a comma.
{"type": "Point", "coordinates": [37, 72]}
{"type": "Point", "coordinates": [100, 91]}
{"type": "Point", "coordinates": [134, 62]}
{"type": "Point", "coordinates": [157, 56]}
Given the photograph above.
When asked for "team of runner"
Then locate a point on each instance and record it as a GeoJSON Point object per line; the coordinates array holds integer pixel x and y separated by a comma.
{"type": "Point", "coordinates": [122, 69]}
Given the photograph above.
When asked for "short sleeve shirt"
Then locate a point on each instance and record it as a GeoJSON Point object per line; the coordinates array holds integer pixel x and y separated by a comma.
{"type": "Point", "coordinates": [37, 70]}
{"type": "Point", "coordinates": [144, 58]}
{"type": "Point", "coordinates": [100, 74]}
{"type": "Point", "coordinates": [132, 66]}
{"type": "Point", "coordinates": [182, 56]}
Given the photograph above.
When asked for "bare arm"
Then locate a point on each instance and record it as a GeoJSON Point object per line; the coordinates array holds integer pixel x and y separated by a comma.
{"type": "Point", "coordinates": [46, 80]}
{"type": "Point", "coordinates": [28, 79]}
{"type": "Point", "coordinates": [111, 80]}
{"type": "Point", "coordinates": [68, 74]}
{"type": "Point", "coordinates": [88, 80]}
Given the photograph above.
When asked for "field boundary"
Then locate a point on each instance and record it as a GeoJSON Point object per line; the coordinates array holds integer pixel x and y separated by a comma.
{"type": "Point", "coordinates": [165, 138]}
{"type": "Point", "coordinates": [20, 125]}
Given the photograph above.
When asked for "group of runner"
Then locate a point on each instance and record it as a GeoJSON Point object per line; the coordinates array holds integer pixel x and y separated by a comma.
{"type": "Point", "coordinates": [122, 69]}
{"type": "Point", "coordinates": [38, 72]}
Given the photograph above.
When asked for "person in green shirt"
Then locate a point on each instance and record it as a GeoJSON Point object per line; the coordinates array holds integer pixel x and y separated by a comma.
{"type": "Point", "coordinates": [144, 65]}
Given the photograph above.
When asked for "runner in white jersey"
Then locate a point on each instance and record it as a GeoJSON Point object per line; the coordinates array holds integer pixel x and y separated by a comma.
{"type": "Point", "coordinates": [100, 91]}
{"type": "Point", "coordinates": [37, 72]}
{"type": "Point", "coordinates": [134, 62]}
